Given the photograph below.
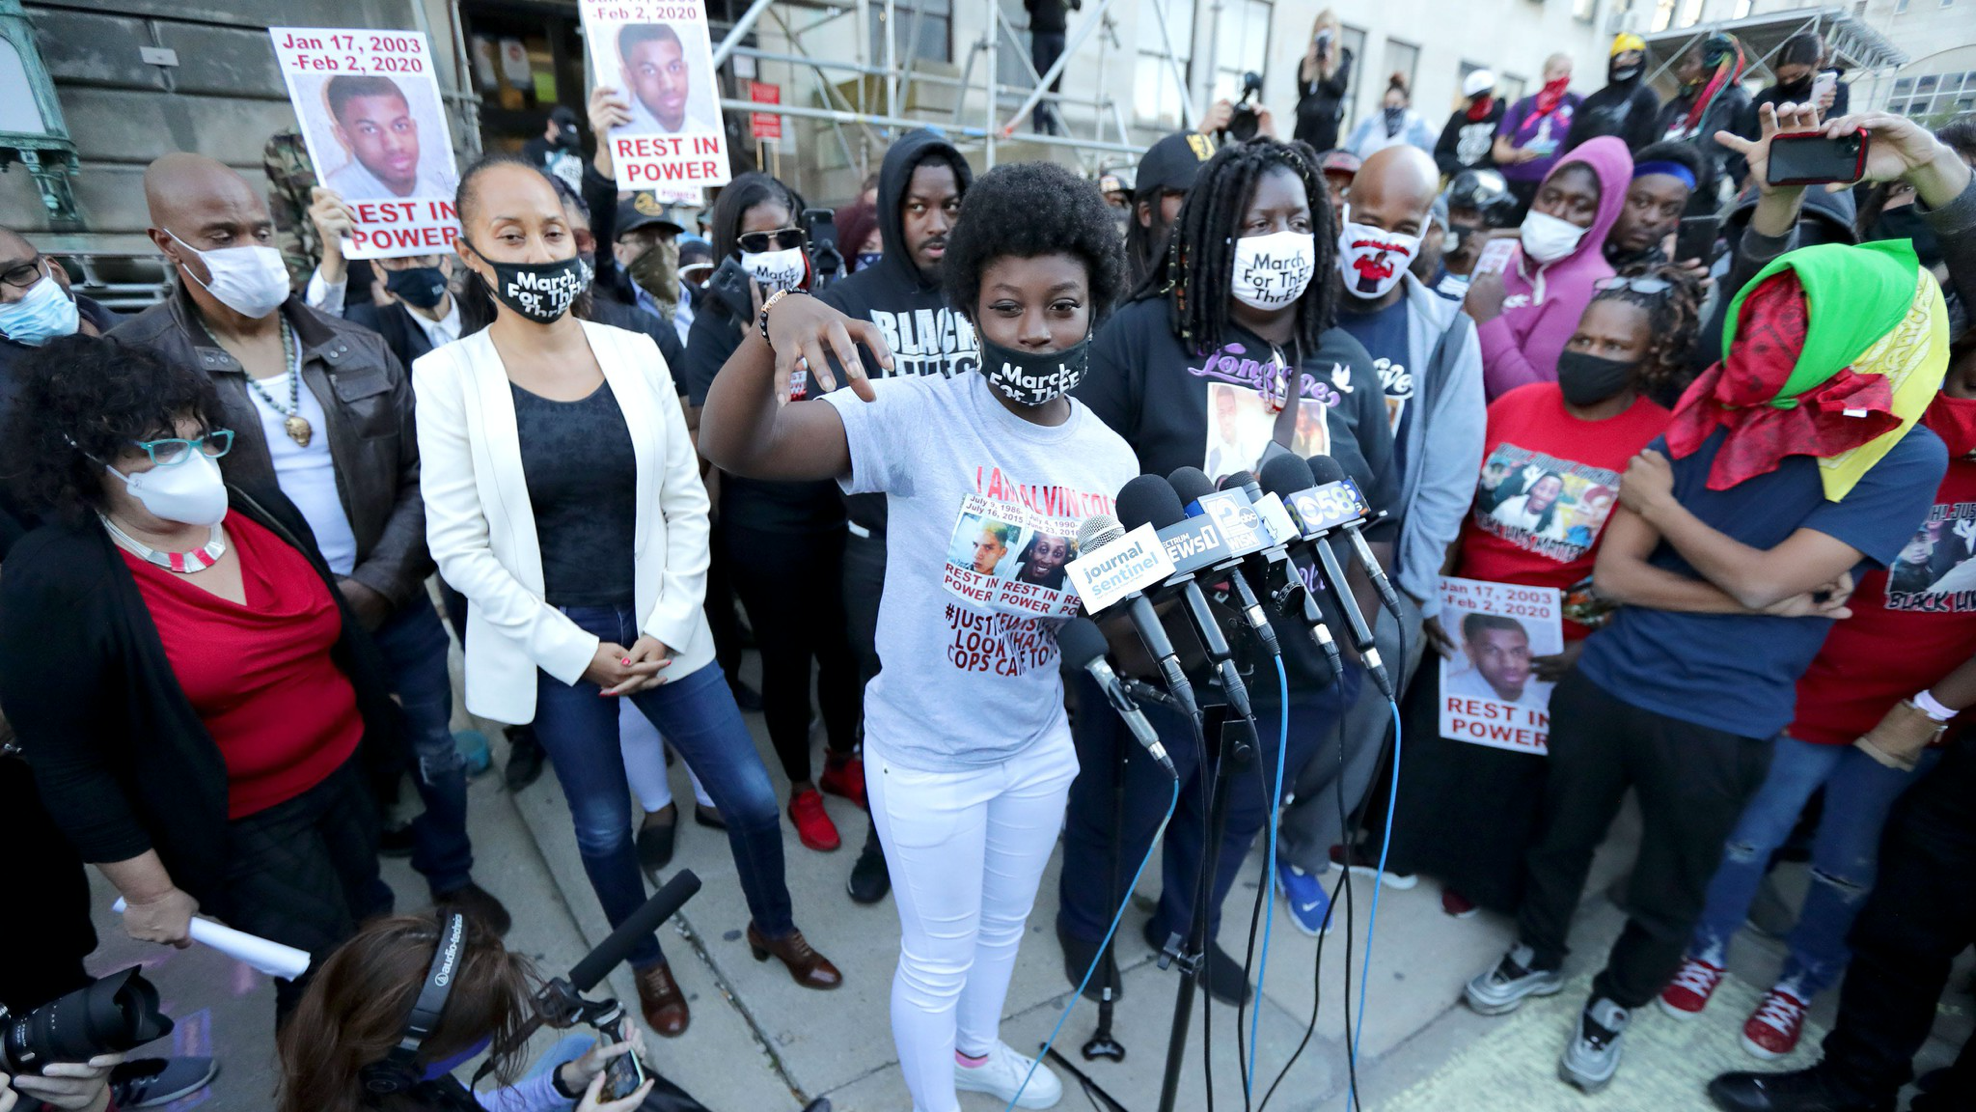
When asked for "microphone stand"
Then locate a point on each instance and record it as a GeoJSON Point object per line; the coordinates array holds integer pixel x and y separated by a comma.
{"type": "Point", "coordinates": [1102, 1043]}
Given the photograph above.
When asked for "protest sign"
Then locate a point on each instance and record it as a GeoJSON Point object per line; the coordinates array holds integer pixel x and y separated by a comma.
{"type": "Point", "coordinates": [1489, 693]}
{"type": "Point", "coordinates": [655, 53]}
{"type": "Point", "coordinates": [368, 103]}
{"type": "Point", "coordinates": [764, 125]}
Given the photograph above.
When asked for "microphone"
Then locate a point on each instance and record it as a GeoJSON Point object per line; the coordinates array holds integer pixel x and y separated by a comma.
{"type": "Point", "coordinates": [585, 974]}
{"type": "Point", "coordinates": [1326, 470]}
{"type": "Point", "coordinates": [1281, 476]}
{"type": "Point", "coordinates": [1084, 647]}
{"type": "Point", "coordinates": [1093, 535]}
{"type": "Point", "coordinates": [1281, 584]}
{"type": "Point", "coordinates": [1193, 487]}
{"type": "Point", "coordinates": [1149, 500]}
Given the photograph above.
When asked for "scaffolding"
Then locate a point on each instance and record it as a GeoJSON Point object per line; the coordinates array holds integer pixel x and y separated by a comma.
{"type": "Point", "coordinates": [1851, 43]}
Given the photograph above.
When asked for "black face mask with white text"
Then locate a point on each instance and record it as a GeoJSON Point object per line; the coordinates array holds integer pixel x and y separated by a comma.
{"type": "Point", "coordinates": [542, 292]}
{"type": "Point", "coordinates": [1032, 378]}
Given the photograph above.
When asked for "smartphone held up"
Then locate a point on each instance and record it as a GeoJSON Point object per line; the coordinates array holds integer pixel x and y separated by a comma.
{"type": "Point", "coordinates": [1813, 158]}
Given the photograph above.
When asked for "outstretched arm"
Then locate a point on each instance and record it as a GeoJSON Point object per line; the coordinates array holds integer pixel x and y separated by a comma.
{"type": "Point", "coordinates": [748, 425]}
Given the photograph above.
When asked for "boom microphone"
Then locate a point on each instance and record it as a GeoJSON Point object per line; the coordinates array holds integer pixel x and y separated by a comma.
{"type": "Point", "coordinates": [1324, 470]}
{"type": "Point", "coordinates": [1083, 646]}
{"type": "Point", "coordinates": [585, 974]}
{"type": "Point", "coordinates": [1193, 487]}
{"type": "Point", "coordinates": [1093, 535]}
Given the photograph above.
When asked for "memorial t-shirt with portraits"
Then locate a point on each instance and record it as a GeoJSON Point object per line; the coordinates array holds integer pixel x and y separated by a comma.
{"type": "Point", "coordinates": [1549, 481]}
{"type": "Point", "coordinates": [982, 513]}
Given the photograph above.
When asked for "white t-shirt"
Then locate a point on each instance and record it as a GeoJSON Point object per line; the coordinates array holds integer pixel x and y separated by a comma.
{"type": "Point", "coordinates": [307, 475]}
{"type": "Point", "coordinates": [968, 683]}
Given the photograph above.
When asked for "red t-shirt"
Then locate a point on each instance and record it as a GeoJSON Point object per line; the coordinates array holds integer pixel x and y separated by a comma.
{"type": "Point", "coordinates": [1549, 481]}
{"type": "Point", "coordinates": [259, 675]}
{"type": "Point", "coordinates": [1911, 625]}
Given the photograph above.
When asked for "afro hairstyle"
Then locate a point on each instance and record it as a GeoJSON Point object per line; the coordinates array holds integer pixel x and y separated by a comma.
{"type": "Point", "coordinates": [1027, 209]}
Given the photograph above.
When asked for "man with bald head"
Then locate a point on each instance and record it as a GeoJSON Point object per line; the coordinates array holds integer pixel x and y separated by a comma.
{"type": "Point", "coordinates": [321, 409]}
{"type": "Point", "coordinates": [1430, 368]}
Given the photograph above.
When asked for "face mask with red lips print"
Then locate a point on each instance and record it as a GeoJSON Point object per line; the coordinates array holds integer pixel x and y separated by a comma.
{"type": "Point", "coordinates": [1371, 260]}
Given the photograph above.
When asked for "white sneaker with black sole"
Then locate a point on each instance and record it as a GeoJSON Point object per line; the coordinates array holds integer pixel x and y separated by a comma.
{"type": "Point", "coordinates": [1504, 986]}
{"type": "Point", "coordinates": [1592, 1056]}
{"type": "Point", "coordinates": [1001, 1077]}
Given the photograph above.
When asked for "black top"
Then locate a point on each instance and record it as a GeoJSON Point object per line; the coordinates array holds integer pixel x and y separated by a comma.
{"type": "Point", "coordinates": [1321, 103]}
{"type": "Point", "coordinates": [1048, 15]}
{"type": "Point", "coordinates": [583, 489]}
{"type": "Point", "coordinates": [1467, 144]}
{"type": "Point", "coordinates": [122, 760]}
{"type": "Point", "coordinates": [769, 507]}
{"type": "Point", "coordinates": [1629, 110]}
{"type": "Point", "coordinates": [1153, 391]}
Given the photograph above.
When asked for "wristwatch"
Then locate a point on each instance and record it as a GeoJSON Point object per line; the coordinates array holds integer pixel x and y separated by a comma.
{"type": "Point", "coordinates": [761, 321]}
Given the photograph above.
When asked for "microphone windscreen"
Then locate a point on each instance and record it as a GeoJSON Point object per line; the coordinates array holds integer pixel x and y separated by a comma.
{"type": "Point", "coordinates": [1283, 475]}
{"type": "Point", "coordinates": [1326, 470]}
{"type": "Point", "coordinates": [1097, 531]}
{"type": "Point", "coordinates": [1189, 483]}
{"type": "Point", "coordinates": [1081, 642]}
{"type": "Point", "coordinates": [1149, 500]}
{"type": "Point", "coordinates": [1237, 481]}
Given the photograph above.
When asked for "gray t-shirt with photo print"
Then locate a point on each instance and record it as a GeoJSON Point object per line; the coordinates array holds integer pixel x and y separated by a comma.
{"type": "Point", "coordinates": [968, 648]}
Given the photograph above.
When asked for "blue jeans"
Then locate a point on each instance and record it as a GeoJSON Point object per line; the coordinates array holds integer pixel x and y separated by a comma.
{"type": "Point", "coordinates": [1859, 792]}
{"type": "Point", "coordinates": [1084, 887]}
{"type": "Point", "coordinates": [696, 713]}
{"type": "Point", "coordinates": [414, 645]}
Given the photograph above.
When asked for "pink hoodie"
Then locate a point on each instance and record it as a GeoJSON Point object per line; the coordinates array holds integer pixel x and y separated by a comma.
{"type": "Point", "coordinates": [1521, 345]}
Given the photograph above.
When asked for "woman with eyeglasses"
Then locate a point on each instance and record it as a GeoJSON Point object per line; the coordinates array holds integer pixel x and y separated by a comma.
{"type": "Point", "coordinates": [188, 684]}
{"type": "Point", "coordinates": [1552, 457]}
{"type": "Point", "coordinates": [783, 541]}
{"type": "Point", "coordinates": [563, 500]}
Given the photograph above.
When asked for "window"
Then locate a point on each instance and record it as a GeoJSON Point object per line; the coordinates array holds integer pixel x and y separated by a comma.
{"type": "Point", "coordinates": [1352, 39]}
{"type": "Point", "coordinates": [1936, 97]}
{"type": "Point", "coordinates": [1585, 11]}
{"type": "Point", "coordinates": [1509, 88]}
{"type": "Point", "coordinates": [1156, 96]}
{"type": "Point", "coordinates": [1241, 45]}
{"type": "Point", "coordinates": [1743, 8]}
{"type": "Point", "coordinates": [1401, 58]}
{"type": "Point", "coordinates": [1900, 7]}
{"type": "Point", "coordinates": [934, 18]}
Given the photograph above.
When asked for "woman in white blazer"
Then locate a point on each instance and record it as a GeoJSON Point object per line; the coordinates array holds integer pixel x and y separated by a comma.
{"type": "Point", "coordinates": [563, 499]}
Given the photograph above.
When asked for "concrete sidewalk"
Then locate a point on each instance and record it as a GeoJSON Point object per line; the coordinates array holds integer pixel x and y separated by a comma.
{"type": "Point", "coordinates": [759, 1043]}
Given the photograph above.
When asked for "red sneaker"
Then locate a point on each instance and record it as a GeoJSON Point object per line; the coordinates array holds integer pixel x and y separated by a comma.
{"type": "Point", "coordinates": [1457, 905]}
{"type": "Point", "coordinates": [813, 823]}
{"type": "Point", "coordinates": [1693, 985]}
{"type": "Point", "coordinates": [1773, 1029]}
{"type": "Point", "coordinates": [844, 776]}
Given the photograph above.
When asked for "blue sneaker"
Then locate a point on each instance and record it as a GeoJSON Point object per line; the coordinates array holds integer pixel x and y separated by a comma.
{"type": "Point", "coordinates": [1310, 904]}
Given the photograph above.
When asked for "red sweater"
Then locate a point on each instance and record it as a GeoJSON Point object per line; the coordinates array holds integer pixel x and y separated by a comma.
{"type": "Point", "coordinates": [260, 674]}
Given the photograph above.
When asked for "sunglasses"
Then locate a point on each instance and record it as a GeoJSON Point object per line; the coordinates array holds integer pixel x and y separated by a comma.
{"type": "Point", "coordinates": [782, 239]}
{"type": "Point", "coordinates": [1641, 284]}
{"type": "Point", "coordinates": [172, 451]}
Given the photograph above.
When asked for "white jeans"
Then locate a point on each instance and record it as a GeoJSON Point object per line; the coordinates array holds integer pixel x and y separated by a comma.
{"type": "Point", "coordinates": [644, 753]}
{"type": "Point", "coordinates": [966, 851]}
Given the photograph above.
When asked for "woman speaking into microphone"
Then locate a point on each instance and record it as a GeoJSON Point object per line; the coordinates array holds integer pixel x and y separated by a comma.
{"type": "Point", "coordinates": [968, 758]}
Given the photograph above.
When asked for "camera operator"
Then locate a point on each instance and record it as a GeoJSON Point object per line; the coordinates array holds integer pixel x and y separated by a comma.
{"type": "Point", "coordinates": [78, 1086]}
{"type": "Point", "coordinates": [1240, 120]}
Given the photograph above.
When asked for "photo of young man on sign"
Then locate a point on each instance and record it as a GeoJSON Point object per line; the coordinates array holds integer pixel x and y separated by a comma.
{"type": "Point", "coordinates": [657, 60]}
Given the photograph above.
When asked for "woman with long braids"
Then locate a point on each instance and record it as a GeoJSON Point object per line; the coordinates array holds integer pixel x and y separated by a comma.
{"type": "Point", "coordinates": [563, 499]}
{"type": "Point", "coordinates": [1228, 347]}
{"type": "Point", "coordinates": [783, 541]}
{"type": "Point", "coordinates": [1467, 812]}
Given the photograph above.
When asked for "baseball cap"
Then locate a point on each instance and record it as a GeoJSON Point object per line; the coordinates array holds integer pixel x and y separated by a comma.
{"type": "Point", "coordinates": [1340, 162]}
{"type": "Point", "coordinates": [641, 210]}
{"type": "Point", "coordinates": [1173, 163]}
{"type": "Point", "coordinates": [563, 116]}
{"type": "Point", "coordinates": [1478, 81]}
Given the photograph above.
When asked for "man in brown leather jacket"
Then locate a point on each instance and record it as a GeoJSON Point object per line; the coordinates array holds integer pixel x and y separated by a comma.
{"type": "Point", "coordinates": [321, 407]}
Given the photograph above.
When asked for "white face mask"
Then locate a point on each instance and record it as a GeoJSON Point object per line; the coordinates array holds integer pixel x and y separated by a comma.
{"type": "Point", "coordinates": [1548, 239]}
{"type": "Point", "coordinates": [251, 281]}
{"type": "Point", "coordinates": [190, 493]}
{"type": "Point", "coordinates": [1273, 271]}
{"type": "Point", "coordinates": [1371, 260]}
{"type": "Point", "coordinates": [775, 270]}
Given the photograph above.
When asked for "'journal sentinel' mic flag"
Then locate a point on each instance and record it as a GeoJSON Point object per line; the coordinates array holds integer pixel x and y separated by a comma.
{"type": "Point", "coordinates": [1113, 572]}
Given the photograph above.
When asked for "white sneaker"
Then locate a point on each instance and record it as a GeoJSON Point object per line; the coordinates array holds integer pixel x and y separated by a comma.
{"type": "Point", "coordinates": [1001, 1077]}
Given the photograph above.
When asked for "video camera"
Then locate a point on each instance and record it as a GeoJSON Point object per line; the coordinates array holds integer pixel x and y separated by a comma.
{"type": "Point", "coordinates": [1242, 126]}
{"type": "Point", "coordinates": [115, 1014]}
{"type": "Point", "coordinates": [826, 261]}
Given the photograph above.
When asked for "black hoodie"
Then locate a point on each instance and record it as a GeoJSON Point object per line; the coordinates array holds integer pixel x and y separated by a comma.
{"type": "Point", "coordinates": [910, 309]}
